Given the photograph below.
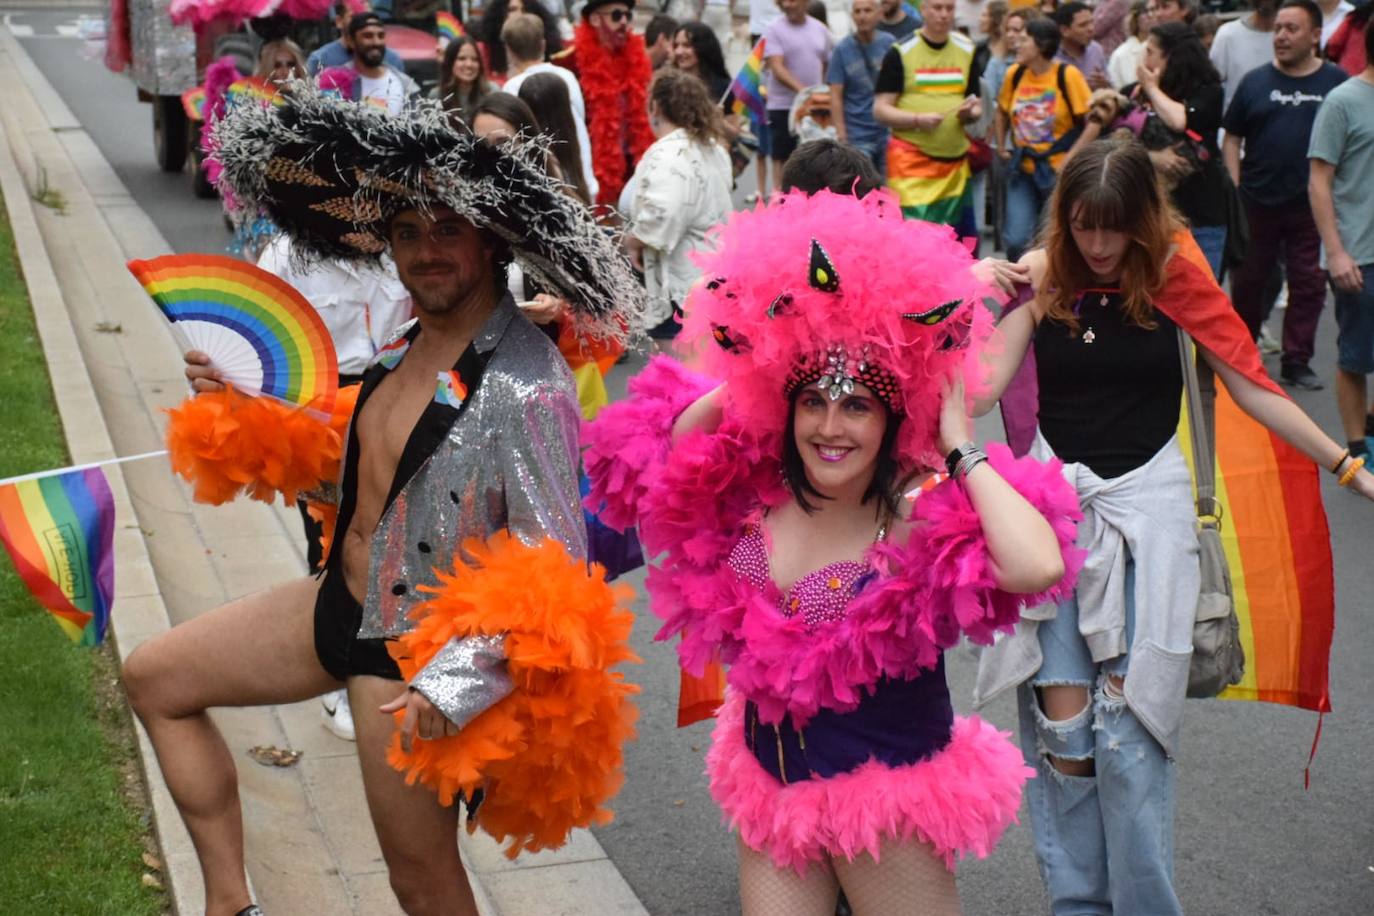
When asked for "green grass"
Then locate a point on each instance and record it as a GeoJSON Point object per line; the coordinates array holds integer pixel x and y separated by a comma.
{"type": "Point", "coordinates": [72, 823]}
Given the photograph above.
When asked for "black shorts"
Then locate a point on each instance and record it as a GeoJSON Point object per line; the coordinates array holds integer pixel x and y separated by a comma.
{"type": "Point", "coordinates": [338, 615]}
{"type": "Point", "coordinates": [781, 143]}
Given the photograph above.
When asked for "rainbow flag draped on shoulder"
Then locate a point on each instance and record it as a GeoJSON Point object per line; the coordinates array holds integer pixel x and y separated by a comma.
{"type": "Point", "coordinates": [59, 531]}
{"type": "Point", "coordinates": [1273, 526]}
{"type": "Point", "coordinates": [747, 87]}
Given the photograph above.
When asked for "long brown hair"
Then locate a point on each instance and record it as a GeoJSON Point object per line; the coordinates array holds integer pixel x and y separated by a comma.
{"type": "Point", "coordinates": [1109, 184]}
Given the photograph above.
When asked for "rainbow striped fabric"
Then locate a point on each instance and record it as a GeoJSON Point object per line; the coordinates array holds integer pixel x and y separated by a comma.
{"type": "Point", "coordinates": [935, 190]}
{"type": "Point", "coordinates": [1278, 547]}
{"type": "Point", "coordinates": [1273, 526]}
{"type": "Point", "coordinates": [448, 26]}
{"type": "Point", "coordinates": [747, 86]}
{"type": "Point", "coordinates": [59, 532]}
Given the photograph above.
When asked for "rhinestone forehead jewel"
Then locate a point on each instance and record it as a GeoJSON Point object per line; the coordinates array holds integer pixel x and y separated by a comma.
{"type": "Point", "coordinates": [835, 374]}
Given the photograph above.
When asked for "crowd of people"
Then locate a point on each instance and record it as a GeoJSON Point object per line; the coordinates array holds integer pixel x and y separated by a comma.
{"type": "Point", "coordinates": [1130, 157]}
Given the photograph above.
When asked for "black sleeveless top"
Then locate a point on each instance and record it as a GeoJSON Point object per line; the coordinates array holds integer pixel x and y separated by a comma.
{"type": "Point", "coordinates": [1110, 395]}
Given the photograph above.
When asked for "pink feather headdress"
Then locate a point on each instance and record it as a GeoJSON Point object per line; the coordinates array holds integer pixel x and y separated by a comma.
{"type": "Point", "coordinates": [835, 290]}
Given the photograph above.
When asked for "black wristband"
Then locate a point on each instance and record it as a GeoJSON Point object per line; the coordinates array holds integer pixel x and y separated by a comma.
{"type": "Point", "coordinates": [953, 458]}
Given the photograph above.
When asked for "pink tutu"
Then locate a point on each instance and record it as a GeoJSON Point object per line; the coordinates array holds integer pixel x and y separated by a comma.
{"type": "Point", "coordinates": [959, 801]}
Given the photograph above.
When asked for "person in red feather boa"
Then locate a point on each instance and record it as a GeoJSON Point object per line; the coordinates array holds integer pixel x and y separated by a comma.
{"type": "Point", "coordinates": [614, 71]}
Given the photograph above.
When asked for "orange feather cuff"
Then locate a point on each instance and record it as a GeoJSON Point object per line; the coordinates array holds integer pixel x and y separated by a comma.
{"type": "Point", "coordinates": [549, 756]}
{"type": "Point", "coordinates": [225, 444]}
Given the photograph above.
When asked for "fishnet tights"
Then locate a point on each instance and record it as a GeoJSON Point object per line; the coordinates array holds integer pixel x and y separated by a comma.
{"type": "Point", "coordinates": [907, 880]}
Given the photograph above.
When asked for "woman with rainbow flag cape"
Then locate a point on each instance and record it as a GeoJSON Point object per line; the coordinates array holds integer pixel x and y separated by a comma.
{"type": "Point", "coordinates": [1102, 675]}
{"type": "Point", "coordinates": [772, 487]}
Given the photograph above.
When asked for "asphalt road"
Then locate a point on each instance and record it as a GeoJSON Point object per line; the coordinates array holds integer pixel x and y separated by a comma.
{"type": "Point", "coordinates": [1250, 840]}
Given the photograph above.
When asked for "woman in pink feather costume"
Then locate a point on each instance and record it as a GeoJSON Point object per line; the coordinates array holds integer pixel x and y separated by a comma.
{"type": "Point", "coordinates": [772, 489]}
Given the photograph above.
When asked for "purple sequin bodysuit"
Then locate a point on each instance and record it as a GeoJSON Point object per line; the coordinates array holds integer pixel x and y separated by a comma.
{"type": "Point", "coordinates": [897, 722]}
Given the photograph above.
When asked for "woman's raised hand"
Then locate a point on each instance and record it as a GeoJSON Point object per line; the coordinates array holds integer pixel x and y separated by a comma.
{"type": "Point", "coordinates": [954, 422]}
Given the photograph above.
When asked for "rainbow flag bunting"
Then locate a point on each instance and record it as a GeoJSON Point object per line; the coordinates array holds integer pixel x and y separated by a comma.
{"type": "Point", "coordinates": [59, 532]}
{"type": "Point", "coordinates": [448, 25]}
{"type": "Point", "coordinates": [747, 86]}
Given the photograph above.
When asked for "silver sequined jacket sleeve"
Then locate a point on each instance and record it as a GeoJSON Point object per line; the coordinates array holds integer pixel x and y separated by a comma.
{"type": "Point", "coordinates": [466, 678]}
{"type": "Point", "coordinates": [540, 458]}
{"type": "Point", "coordinates": [537, 453]}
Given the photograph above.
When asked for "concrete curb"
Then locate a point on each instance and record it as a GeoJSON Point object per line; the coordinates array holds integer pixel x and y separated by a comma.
{"type": "Point", "coordinates": [320, 814]}
{"type": "Point", "coordinates": [141, 612]}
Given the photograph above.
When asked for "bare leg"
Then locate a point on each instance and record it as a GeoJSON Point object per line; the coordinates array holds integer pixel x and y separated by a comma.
{"type": "Point", "coordinates": [763, 174]}
{"type": "Point", "coordinates": [1062, 703]}
{"type": "Point", "coordinates": [777, 173]}
{"type": "Point", "coordinates": [906, 878]}
{"type": "Point", "coordinates": [256, 651]}
{"type": "Point", "coordinates": [765, 890]}
{"type": "Point", "coordinates": [1352, 401]}
{"type": "Point", "coordinates": [419, 837]}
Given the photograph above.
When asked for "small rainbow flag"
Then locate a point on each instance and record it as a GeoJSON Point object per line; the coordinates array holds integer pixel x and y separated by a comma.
{"type": "Point", "coordinates": [450, 390]}
{"type": "Point", "coordinates": [59, 531]}
{"type": "Point", "coordinates": [448, 25]}
{"type": "Point", "coordinates": [250, 87]}
{"type": "Point", "coordinates": [747, 86]}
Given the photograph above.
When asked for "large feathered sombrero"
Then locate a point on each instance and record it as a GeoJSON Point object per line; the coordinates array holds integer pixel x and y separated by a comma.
{"type": "Point", "coordinates": [332, 173]}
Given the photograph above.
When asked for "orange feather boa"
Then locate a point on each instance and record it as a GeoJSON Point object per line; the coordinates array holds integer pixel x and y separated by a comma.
{"type": "Point", "coordinates": [225, 444]}
{"type": "Point", "coordinates": [549, 755]}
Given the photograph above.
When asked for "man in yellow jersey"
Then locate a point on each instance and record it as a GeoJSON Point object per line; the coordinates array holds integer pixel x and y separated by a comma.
{"type": "Point", "coordinates": [927, 90]}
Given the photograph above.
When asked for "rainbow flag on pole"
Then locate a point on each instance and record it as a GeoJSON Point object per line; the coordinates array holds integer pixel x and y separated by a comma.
{"type": "Point", "coordinates": [448, 25]}
{"type": "Point", "coordinates": [59, 531]}
{"type": "Point", "coordinates": [747, 86]}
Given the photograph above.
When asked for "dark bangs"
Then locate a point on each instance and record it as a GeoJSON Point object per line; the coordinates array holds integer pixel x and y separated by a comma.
{"type": "Point", "coordinates": [886, 480]}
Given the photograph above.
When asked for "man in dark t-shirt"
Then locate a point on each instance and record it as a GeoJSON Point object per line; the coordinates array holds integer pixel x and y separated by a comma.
{"type": "Point", "coordinates": [1271, 116]}
{"type": "Point", "coordinates": [899, 19]}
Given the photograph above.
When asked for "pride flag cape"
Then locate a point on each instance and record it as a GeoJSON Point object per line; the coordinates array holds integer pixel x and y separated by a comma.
{"type": "Point", "coordinates": [747, 86]}
{"type": "Point", "coordinates": [59, 531]}
{"type": "Point", "coordinates": [1273, 525]}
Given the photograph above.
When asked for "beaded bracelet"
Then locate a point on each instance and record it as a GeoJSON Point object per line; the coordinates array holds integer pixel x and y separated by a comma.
{"type": "Point", "coordinates": [1351, 471]}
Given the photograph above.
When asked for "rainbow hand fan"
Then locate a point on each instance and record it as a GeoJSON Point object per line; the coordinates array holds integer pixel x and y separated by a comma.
{"type": "Point", "coordinates": [448, 25]}
{"type": "Point", "coordinates": [262, 334]}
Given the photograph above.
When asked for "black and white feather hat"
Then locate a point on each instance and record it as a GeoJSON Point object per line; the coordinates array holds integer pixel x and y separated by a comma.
{"type": "Point", "coordinates": [332, 173]}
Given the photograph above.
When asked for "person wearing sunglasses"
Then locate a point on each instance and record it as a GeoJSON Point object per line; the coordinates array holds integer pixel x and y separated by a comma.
{"type": "Point", "coordinates": [613, 68]}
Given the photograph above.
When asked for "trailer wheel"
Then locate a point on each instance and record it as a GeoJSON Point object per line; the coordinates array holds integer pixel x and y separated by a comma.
{"type": "Point", "coordinates": [169, 133]}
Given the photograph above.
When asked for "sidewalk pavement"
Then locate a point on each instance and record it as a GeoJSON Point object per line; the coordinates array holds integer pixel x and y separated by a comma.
{"type": "Point", "coordinates": [310, 846]}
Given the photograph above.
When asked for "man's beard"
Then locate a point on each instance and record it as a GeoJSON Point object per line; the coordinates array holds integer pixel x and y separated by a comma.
{"type": "Point", "coordinates": [373, 57]}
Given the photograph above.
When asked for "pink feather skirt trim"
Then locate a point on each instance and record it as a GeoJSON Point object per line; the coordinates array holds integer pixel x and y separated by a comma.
{"type": "Point", "coordinates": [959, 801]}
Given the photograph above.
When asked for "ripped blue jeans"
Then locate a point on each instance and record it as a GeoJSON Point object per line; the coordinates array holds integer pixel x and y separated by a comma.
{"type": "Point", "coordinates": [1105, 843]}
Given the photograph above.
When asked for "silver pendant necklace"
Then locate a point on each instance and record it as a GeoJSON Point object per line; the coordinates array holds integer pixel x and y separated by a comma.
{"type": "Point", "coordinates": [1089, 335]}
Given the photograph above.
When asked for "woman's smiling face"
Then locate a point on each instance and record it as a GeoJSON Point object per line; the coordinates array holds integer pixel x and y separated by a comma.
{"type": "Point", "coordinates": [839, 440]}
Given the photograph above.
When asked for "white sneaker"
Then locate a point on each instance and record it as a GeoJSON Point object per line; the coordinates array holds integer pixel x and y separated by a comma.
{"type": "Point", "coordinates": [1267, 344]}
{"type": "Point", "coordinates": [338, 715]}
